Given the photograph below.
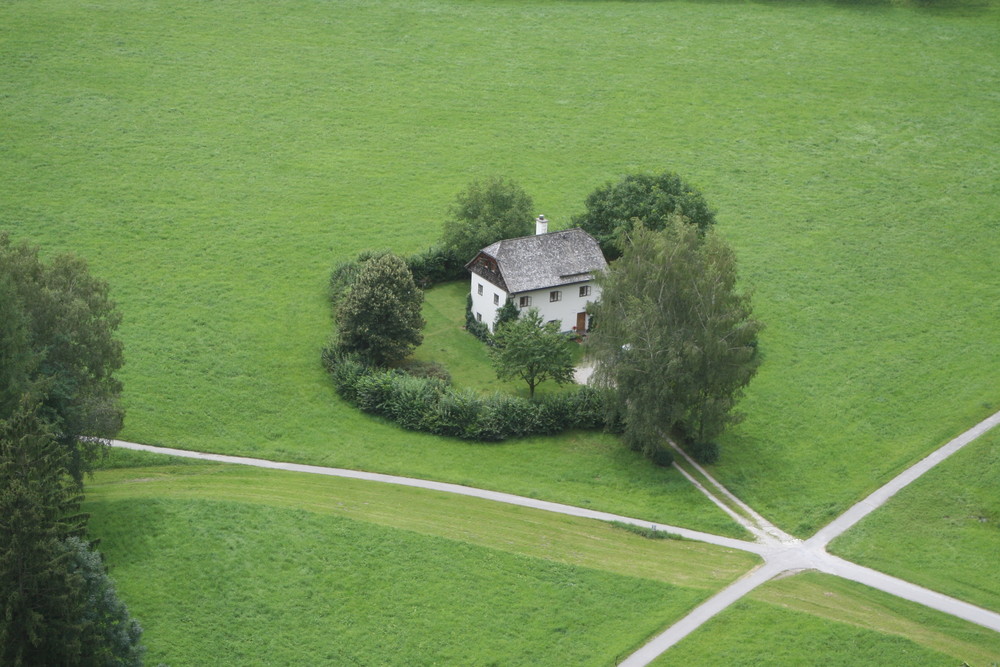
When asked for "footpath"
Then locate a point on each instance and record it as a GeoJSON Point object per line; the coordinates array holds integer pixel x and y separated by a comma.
{"type": "Point", "coordinates": [781, 552]}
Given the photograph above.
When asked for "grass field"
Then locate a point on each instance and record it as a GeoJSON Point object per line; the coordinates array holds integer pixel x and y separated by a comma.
{"type": "Point", "coordinates": [816, 619]}
{"type": "Point", "coordinates": [942, 531]}
{"type": "Point", "coordinates": [212, 160]}
{"type": "Point", "coordinates": [250, 566]}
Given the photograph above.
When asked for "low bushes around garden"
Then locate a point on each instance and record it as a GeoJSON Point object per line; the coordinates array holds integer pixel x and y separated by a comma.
{"type": "Point", "coordinates": [431, 405]}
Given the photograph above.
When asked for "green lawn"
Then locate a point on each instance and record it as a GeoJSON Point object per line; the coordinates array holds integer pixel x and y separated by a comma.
{"type": "Point", "coordinates": [448, 343]}
{"type": "Point", "coordinates": [942, 530]}
{"type": "Point", "coordinates": [816, 619]}
{"type": "Point", "coordinates": [212, 161]}
{"type": "Point", "coordinates": [253, 566]}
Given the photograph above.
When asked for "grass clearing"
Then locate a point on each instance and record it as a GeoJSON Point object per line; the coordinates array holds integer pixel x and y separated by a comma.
{"type": "Point", "coordinates": [816, 619]}
{"type": "Point", "coordinates": [212, 160]}
{"type": "Point", "coordinates": [941, 531]}
{"type": "Point", "coordinates": [448, 343]}
{"type": "Point", "coordinates": [254, 566]}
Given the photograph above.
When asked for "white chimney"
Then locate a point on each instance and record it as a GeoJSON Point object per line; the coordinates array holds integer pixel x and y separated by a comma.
{"type": "Point", "coordinates": [541, 225]}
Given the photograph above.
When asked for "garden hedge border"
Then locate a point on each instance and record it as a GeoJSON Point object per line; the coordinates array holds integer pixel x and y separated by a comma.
{"type": "Point", "coordinates": [431, 405]}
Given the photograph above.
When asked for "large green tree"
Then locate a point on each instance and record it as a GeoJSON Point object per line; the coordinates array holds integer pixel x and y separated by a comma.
{"type": "Point", "coordinates": [57, 341]}
{"type": "Point", "coordinates": [487, 211]}
{"type": "Point", "coordinates": [57, 604]}
{"type": "Point", "coordinates": [57, 360]}
{"type": "Point", "coordinates": [379, 318]}
{"type": "Point", "coordinates": [650, 199]}
{"type": "Point", "coordinates": [110, 636]}
{"type": "Point", "coordinates": [40, 594]}
{"type": "Point", "coordinates": [675, 338]}
{"type": "Point", "coordinates": [532, 351]}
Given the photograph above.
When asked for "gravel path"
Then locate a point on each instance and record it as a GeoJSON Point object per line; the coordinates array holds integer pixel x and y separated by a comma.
{"type": "Point", "coordinates": [497, 496]}
{"type": "Point", "coordinates": [794, 555]}
{"type": "Point", "coordinates": [781, 552]}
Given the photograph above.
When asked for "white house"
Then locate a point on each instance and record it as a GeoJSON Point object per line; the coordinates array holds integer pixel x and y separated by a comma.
{"type": "Point", "coordinates": [551, 272]}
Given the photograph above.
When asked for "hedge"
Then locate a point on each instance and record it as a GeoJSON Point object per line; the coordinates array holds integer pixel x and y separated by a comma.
{"type": "Point", "coordinates": [431, 405]}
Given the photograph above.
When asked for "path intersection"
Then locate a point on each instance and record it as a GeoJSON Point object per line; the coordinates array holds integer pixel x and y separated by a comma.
{"type": "Point", "coordinates": [782, 553]}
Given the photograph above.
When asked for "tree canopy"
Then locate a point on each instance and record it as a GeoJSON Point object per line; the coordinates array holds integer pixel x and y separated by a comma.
{"type": "Point", "coordinates": [675, 337]}
{"type": "Point", "coordinates": [57, 360]}
{"type": "Point", "coordinates": [379, 317]}
{"type": "Point", "coordinates": [57, 342]}
{"type": "Point", "coordinates": [534, 352]}
{"type": "Point", "coordinates": [40, 606]}
{"type": "Point", "coordinates": [652, 200]}
{"type": "Point", "coordinates": [506, 314]}
{"type": "Point", "coordinates": [487, 211]}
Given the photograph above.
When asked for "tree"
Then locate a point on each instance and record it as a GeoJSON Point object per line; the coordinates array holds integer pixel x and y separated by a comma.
{"type": "Point", "coordinates": [379, 318]}
{"type": "Point", "coordinates": [57, 604]}
{"type": "Point", "coordinates": [57, 341]}
{"type": "Point", "coordinates": [506, 314]}
{"type": "Point", "coordinates": [57, 360]}
{"type": "Point", "coordinates": [652, 200]}
{"type": "Point", "coordinates": [487, 211]}
{"type": "Point", "coordinates": [110, 635]}
{"type": "Point", "coordinates": [532, 351]}
{"type": "Point", "coordinates": [675, 338]}
{"type": "Point", "coordinates": [40, 600]}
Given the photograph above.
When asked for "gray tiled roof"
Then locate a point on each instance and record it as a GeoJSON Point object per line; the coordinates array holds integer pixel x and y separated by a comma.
{"type": "Point", "coordinates": [545, 260]}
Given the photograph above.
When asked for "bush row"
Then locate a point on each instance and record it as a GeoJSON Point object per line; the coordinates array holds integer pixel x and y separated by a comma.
{"type": "Point", "coordinates": [430, 405]}
{"type": "Point", "coordinates": [436, 265]}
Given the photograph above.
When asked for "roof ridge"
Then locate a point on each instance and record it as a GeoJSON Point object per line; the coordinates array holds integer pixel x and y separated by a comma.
{"type": "Point", "coordinates": [531, 236]}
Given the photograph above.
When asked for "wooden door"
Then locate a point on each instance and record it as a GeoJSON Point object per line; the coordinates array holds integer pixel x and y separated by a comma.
{"type": "Point", "coordinates": [581, 323]}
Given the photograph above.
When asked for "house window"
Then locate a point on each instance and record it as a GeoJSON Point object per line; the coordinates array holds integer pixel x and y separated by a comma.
{"type": "Point", "coordinates": [496, 299]}
{"type": "Point", "coordinates": [479, 317]}
{"type": "Point", "coordinates": [524, 302]}
{"type": "Point", "coordinates": [479, 289]}
{"type": "Point", "coordinates": [555, 295]}
{"type": "Point", "coordinates": [585, 290]}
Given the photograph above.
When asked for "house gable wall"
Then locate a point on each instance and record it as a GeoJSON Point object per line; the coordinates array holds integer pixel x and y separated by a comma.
{"type": "Point", "coordinates": [483, 304]}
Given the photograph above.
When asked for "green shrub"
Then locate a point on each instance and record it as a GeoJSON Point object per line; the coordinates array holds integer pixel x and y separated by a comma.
{"type": "Point", "coordinates": [436, 265]}
{"type": "Point", "coordinates": [502, 417]}
{"type": "Point", "coordinates": [474, 326]}
{"type": "Point", "coordinates": [408, 399]}
{"type": "Point", "coordinates": [344, 273]}
{"type": "Point", "coordinates": [373, 391]}
{"type": "Point", "coordinates": [704, 452]}
{"type": "Point", "coordinates": [661, 456]}
{"type": "Point", "coordinates": [346, 370]}
{"type": "Point", "coordinates": [455, 414]}
{"type": "Point", "coordinates": [430, 405]}
{"type": "Point", "coordinates": [425, 369]}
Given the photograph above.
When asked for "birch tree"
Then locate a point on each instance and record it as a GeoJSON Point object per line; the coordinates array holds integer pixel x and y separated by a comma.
{"type": "Point", "coordinates": [675, 337]}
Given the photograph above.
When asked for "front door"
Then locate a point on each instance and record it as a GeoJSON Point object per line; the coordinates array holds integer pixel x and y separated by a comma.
{"type": "Point", "coordinates": [581, 323]}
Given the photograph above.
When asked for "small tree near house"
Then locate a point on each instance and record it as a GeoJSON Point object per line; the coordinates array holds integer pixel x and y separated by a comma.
{"type": "Point", "coordinates": [508, 313]}
{"type": "Point", "coordinates": [532, 351]}
{"type": "Point", "coordinates": [380, 318]}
